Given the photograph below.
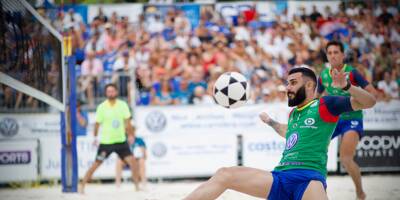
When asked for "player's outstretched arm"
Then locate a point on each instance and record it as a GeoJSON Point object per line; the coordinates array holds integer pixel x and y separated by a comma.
{"type": "Point", "coordinates": [278, 127]}
{"type": "Point", "coordinates": [360, 98]}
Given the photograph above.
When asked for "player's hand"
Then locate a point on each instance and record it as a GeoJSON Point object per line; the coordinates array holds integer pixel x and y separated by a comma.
{"type": "Point", "coordinates": [339, 79]}
{"type": "Point", "coordinates": [265, 117]}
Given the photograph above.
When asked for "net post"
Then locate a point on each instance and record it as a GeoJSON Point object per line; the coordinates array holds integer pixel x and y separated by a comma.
{"type": "Point", "coordinates": [69, 158]}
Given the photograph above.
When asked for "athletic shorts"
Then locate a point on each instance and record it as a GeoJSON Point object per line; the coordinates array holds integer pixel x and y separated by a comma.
{"type": "Point", "coordinates": [122, 149]}
{"type": "Point", "coordinates": [349, 125]}
{"type": "Point", "coordinates": [291, 184]}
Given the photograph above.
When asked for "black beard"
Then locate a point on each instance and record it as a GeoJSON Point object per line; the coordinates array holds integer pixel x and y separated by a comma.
{"type": "Point", "coordinates": [112, 98]}
{"type": "Point", "coordinates": [299, 97]}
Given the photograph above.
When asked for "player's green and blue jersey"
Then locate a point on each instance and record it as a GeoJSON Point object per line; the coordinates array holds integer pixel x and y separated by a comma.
{"type": "Point", "coordinates": [325, 84]}
{"type": "Point", "coordinates": [309, 133]}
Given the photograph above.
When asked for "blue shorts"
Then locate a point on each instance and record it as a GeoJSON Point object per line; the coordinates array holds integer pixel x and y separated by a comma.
{"type": "Point", "coordinates": [291, 184]}
{"type": "Point", "coordinates": [349, 125]}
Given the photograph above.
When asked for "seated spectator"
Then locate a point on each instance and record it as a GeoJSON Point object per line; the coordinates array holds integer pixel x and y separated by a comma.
{"type": "Point", "coordinates": [389, 86]}
{"type": "Point", "coordinates": [95, 44]}
{"type": "Point", "coordinates": [200, 97]}
{"type": "Point", "coordinates": [162, 97]}
{"type": "Point", "coordinates": [82, 117]}
{"type": "Point", "coordinates": [123, 68]}
{"type": "Point", "coordinates": [182, 95]}
{"type": "Point", "coordinates": [91, 70]}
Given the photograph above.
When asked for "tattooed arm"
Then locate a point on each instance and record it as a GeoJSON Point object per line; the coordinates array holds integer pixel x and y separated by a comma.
{"type": "Point", "coordinates": [278, 127]}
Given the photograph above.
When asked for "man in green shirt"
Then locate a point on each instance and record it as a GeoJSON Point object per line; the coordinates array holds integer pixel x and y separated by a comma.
{"type": "Point", "coordinates": [350, 124]}
{"type": "Point", "coordinates": [301, 173]}
{"type": "Point", "coordinates": [113, 115]}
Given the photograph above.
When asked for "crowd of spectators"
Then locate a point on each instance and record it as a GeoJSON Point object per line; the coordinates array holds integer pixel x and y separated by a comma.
{"type": "Point", "coordinates": [174, 63]}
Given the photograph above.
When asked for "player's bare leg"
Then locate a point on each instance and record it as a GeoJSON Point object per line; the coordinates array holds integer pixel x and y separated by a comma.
{"type": "Point", "coordinates": [347, 150]}
{"type": "Point", "coordinates": [134, 166]}
{"type": "Point", "coordinates": [88, 175]}
{"type": "Point", "coordinates": [247, 180]}
{"type": "Point", "coordinates": [118, 172]}
{"type": "Point", "coordinates": [315, 191]}
{"type": "Point", "coordinates": [142, 172]}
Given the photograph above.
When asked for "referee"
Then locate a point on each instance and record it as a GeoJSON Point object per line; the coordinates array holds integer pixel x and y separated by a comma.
{"type": "Point", "coordinates": [113, 116]}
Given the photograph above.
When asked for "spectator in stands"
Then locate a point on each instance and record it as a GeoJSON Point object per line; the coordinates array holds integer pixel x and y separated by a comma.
{"type": "Point", "coordinates": [200, 97]}
{"type": "Point", "coordinates": [82, 117]}
{"type": "Point", "coordinates": [91, 71]}
{"type": "Point", "coordinates": [162, 92]}
{"type": "Point", "coordinates": [123, 68]}
{"type": "Point", "coordinates": [182, 95]}
{"type": "Point", "coordinates": [389, 86]}
{"type": "Point", "coordinates": [95, 44]}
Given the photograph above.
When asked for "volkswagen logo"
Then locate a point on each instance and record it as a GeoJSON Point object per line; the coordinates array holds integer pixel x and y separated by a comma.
{"type": "Point", "coordinates": [156, 121]}
{"type": "Point", "coordinates": [292, 141]}
{"type": "Point", "coordinates": [8, 127]}
{"type": "Point", "coordinates": [159, 150]}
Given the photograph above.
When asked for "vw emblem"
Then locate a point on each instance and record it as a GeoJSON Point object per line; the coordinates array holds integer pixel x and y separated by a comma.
{"type": "Point", "coordinates": [292, 141]}
{"type": "Point", "coordinates": [159, 150]}
{"type": "Point", "coordinates": [156, 121]}
{"type": "Point", "coordinates": [8, 127]}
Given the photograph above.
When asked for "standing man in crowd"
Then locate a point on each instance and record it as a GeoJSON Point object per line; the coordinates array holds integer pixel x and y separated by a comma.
{"type": "Point", "coordinates": [114, 117]}
{"type": "Point", "coordinates": [350, 125]}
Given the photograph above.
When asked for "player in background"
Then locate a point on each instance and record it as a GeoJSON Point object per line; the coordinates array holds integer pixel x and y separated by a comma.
{"type": "Point", "coordinates": [139, 150]}
{"type": "Point", "coordinates": [113, 115]}
{"type": "Point", "coordinates": [350, 125]}
{"type": "Point", "coordinates": [301, 173]}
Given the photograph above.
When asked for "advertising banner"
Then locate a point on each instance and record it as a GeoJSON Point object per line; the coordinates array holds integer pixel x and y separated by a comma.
{"type": "Point", "coordinates": [18, 160]}
{"type": "Point", "coordinates": [379, 151]}
{"type": "Point", "coordinates": [189, 155]}
{"type": "Point", "coordinates": [185, 120]}
{"type": "Point", "coordinates": [264, 151]}
{"type": "Point", "coordinates": [51, 157]}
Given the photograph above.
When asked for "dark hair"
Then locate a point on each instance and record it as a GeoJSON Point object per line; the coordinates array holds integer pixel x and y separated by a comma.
{"type": "Point", "coordinates": [307, 72]}
{"type": "Point", "coordinates": [335, 43]}
{"type": "Point", "coordinates": [111, 85]}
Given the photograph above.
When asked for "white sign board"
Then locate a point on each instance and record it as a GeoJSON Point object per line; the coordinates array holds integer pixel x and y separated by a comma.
{"type": "Point", "coordinates": [189, 155]}
{"type": "Point", "coordinates": [185, 120]}
{"type": "Point", "coordinates": [18, 160]}
{"type": "Point", "coordinates": [29, 126]}
{"type": "Point", "coordinates": [51, 158]}
{"type": "Point", "coordinates": [383, 116]}
{"type": "Point", "coordinates": [264, 151]}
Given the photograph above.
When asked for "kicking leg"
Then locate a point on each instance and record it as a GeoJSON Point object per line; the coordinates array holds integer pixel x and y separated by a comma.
{"type": "Point", "coordinates": [347, 150]}
{"type": "Point", "coordinates": [247, 180]}
{"type": "Point", "coordinates": [315, 191]}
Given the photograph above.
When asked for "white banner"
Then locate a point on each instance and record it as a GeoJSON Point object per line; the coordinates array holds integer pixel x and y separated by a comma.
{"type": "Point", "coordinates": [130, 10]}
{"type": "Point", "coordinates": [185, 120]}
{"type": "Point", "coordinates": [29, 126]}
{"type": "Point", "coordinates": [189, 155]}
{"type": "Point", "coordinates": [383, 116]}
{"type": "Point", "coordinates": [264, 151]}
{"type": "Point", "coordinates": [51, 158]}
{"type": "Point", "coordinates": [18, 160]}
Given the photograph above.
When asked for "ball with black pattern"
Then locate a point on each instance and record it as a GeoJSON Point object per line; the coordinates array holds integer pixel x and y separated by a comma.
{"type": "Point", "coordinates": [231, 90]}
